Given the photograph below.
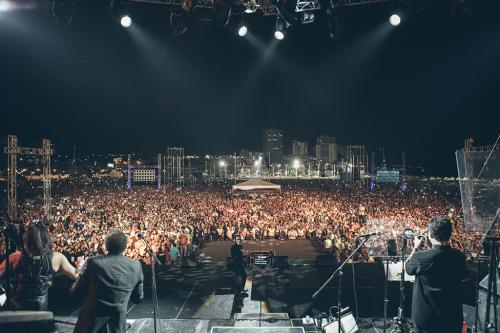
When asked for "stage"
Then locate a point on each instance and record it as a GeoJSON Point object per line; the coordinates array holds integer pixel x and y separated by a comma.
{"type": "Point", "coordinates": [202, 297]}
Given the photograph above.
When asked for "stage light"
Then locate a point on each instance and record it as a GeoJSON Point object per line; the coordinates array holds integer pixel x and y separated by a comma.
{"type": "Point", "coordinates": [126, 21]}
{"type": "Point", "coordinates": [179, 23]}
{"type": "Point", "coordinates": [5, 6]}
{"type": "Point", "coordinates": [395, 20]}
{"type": "Point", "coordinates": [120, 14]}
{"type": "Point", "coordinates": [279, 32]}
{"type": "Point", "coordinates": [242, 31]}
{"type": "Point", "coordinates": [62, 11]}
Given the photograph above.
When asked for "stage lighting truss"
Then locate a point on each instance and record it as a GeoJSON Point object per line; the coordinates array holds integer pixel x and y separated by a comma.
{"type": "Point", "coordinates": [265, 6]}
{"type": "Point", "coordinates": [343, 3]}
{"type": "Point", "coordinates": [251, 6]}
{"type": "Point", "coordinates": [305, 10]}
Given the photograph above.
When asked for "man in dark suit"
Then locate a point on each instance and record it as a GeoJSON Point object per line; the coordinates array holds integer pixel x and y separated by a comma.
{"type": "Point", "coordinates": [239, 265]}
{"type": "Point", "coordinates": [437, 293]}
{"type": "Point", "coordinates": [108, 282]}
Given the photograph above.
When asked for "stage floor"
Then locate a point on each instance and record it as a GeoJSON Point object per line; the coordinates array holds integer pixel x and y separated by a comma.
{"type": "Point", "coordinates": [297, 249]}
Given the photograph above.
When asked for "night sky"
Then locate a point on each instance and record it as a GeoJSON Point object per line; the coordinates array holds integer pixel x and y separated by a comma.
{"type": "Point", "coordinates": [421, 88]}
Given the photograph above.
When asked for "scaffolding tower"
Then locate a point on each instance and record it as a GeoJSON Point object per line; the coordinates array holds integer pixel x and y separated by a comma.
{"type": "Point", "coordinates": [12, 150]}
{"type": "Point", "coordinates": [174, 166]}
{"type": "Point", "coordinates": [357, 158]}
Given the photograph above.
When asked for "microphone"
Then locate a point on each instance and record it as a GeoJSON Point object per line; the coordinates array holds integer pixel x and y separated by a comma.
{"type": "Point", "coordinates": [374, 233]}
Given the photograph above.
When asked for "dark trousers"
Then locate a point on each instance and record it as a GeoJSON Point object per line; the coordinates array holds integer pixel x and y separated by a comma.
{"type": "Point", "coordinates": [241, 275]}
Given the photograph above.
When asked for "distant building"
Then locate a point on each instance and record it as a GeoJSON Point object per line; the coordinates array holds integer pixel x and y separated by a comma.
{"type": "Point", "coordinates": [300, 148]}
{"type": "Point", "coordinates": [326, 149]}
{"type": "Point", "coordinates": [272, 144]}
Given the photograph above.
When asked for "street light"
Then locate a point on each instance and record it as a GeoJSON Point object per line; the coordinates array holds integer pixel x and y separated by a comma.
{"type": "Point", "coordinates": [222, 164]}
{"type": "Point", "coordinates": [296, 165]}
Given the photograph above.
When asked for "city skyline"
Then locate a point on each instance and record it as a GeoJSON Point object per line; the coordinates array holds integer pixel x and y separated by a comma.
{"type": "Point", "coordinates": [421, 88]}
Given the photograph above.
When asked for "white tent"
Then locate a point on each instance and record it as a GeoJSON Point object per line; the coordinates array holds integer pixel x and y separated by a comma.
{"type": "Point", "coordinates": [256, 185]}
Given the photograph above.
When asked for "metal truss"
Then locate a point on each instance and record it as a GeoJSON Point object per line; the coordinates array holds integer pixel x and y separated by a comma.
{"type": "Point", "coordinates": [12, 150]}
{"type": "Point", "coordinates": [303, 6]}
{"type": "Point", "coordinates": [174, 165]}
{"type": "Point", "coordinates": [266, 6]}
{"type": "Point", "coordinates": [345, 3]}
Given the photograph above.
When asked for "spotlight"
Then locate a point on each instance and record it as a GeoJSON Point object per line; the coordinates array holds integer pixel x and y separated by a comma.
{"type": "Point", "coordinates": [242, 31]}
{"type": "Point", "coordinates": [120, 14]}
{"type": "Point", "coordinates": [395, 20]}
{"type": "Point", "coordinates": [179, 23]}
{"type": "Point", "coordinates": [62, 11]}
{"type": "Point", "coordinates": [126, 21]}
{"type": "Point", "coordinates": [279, 32]}
{"type": "Point", "coordinates": [279, 35]}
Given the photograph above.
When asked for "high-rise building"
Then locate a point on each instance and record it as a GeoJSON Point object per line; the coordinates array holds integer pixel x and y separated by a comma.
{"type": "Point", "coordinates": [326, 149]}
{"type": "Point", "coordinates": [299, 148]}
{"type": "Point", "coordinates": [272, 141]}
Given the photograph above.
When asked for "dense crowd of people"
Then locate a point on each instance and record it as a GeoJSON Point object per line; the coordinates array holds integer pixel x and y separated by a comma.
{"type": "Point", "coordinates": [176, 222]}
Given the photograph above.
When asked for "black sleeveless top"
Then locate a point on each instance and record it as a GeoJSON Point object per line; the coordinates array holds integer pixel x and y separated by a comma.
{"type": "Point", "coordinates": [33, 280]}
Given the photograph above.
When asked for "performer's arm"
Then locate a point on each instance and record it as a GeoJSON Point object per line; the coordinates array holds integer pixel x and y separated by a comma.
{"type": "Point", "coordinates": [13, 262]}
{"type": "Point", "coordinates": [61, 263]}
{"type": "Point", "coordinates": [138, 292]}
{"type": "Point", "coordinates": [412, 265]}
{"type": "Point", "coordinates": [81, 285]}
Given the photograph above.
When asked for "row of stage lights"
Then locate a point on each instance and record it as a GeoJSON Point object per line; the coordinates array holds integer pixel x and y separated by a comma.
{"type": "Point", "coordinates": [63, 11]}
{"type": "Point", "coordinates": [121, 14]}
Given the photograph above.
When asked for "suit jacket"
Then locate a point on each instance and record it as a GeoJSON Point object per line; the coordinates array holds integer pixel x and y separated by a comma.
{"type": "Point", "coordinates": [437, 292]}
{"type": "Point", "coordinates": [107, 282]}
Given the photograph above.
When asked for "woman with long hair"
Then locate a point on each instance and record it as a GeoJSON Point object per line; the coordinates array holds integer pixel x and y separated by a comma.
{"type": "Point", "coordinates": [33, 268]}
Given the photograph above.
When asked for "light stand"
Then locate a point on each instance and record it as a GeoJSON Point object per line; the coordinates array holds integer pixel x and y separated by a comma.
{"type": "Point", "coordinates": [339, 272]}
{"type": "Point", "coordinates": [154, 260]}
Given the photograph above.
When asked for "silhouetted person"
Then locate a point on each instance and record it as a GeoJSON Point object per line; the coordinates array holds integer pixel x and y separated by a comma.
{"type": "Point", "coordinates": [239, 264]}
{"type": "Point", "coordinates": [437, 292]}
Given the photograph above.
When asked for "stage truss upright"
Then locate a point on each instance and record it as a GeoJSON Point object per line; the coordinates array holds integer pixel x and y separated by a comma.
{"type": "Point", "coordinates": [12, 150]}
{"type": "Point", "coordinates": [174, 165]}
{"type": "Point", "coordinates": [358, 162]}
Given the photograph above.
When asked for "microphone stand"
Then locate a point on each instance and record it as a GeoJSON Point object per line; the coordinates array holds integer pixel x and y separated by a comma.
{"type": "Point", "coordinates": [154, 260]}
{"type": "Point", "coordinates": [339, 272]}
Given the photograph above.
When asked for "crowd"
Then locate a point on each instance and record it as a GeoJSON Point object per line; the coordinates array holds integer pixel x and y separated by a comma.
{"type": "Point", "coordinates": [175, 223]}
